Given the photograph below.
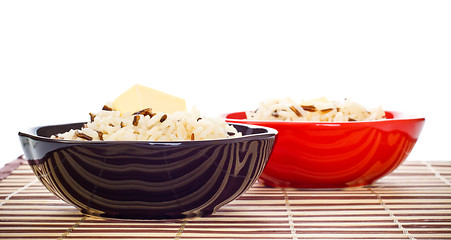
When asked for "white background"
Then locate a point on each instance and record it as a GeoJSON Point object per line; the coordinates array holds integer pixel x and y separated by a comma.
{"type": "Point", "coordinates": [60, 60]}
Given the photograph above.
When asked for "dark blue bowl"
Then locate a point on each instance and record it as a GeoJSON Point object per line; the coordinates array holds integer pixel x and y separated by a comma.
{"type": "Point", "coordinates": [148, 179]}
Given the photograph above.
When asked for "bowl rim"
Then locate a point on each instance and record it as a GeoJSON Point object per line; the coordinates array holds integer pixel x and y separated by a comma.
{"type": "Point", "coordinates": [400, 116]}
{"type": "Point", "coordinates": [31, 132]}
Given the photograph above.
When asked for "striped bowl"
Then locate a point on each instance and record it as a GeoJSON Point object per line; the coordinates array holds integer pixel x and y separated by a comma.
{"type": "Point", "coordinates": [148, 179]}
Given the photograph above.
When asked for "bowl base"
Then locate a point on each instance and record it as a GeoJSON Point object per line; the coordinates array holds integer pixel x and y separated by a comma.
{"type": "Point", "coordinates": [146, 217]}
{"type": "Point", "coordinates": [307, 186]}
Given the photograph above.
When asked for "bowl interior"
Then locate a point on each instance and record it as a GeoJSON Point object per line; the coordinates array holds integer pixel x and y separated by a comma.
{"type": "Point", "coordinates": [45, 132]}
{"type": "Point", "coordinates": [236, 116]}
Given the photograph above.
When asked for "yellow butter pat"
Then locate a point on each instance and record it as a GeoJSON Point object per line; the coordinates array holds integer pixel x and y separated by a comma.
{"type": "Point", "coordinates": [140, 97]}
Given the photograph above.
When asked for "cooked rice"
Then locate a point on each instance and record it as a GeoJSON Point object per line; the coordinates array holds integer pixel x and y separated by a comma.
{"type": "Point", "coordinates": [110, 125]}
{"type": "Point", "coordinates": [321, 110]}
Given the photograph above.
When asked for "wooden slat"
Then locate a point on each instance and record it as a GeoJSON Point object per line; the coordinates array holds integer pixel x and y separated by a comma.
{"type": "Point", "coordinates": [414, 202]}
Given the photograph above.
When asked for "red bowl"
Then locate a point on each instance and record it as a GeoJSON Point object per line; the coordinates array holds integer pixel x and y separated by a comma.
{"type": "Point", "coordinates": [336, 155]}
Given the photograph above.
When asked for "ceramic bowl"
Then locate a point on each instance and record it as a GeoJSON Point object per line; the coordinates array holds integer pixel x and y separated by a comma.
{"type": "Point", "coordinates": [147, 179]}
{"type": "Point", "coordinates": [336, 155]}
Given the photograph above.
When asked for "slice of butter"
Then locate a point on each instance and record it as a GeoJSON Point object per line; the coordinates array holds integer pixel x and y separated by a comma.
{"type": "Point", "coordinates": [140, 97]}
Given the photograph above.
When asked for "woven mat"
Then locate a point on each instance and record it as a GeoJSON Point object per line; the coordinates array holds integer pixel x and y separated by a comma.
{"type": "Point", "coordinates": [414, 202]}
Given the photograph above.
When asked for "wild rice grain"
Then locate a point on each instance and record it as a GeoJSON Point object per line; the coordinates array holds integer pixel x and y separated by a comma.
{"type": "Point", "coordinates": [100, 135]}
{"type": "Point", "coordinates": [309, 108]}
{"type": "Point", "coordinates": [135, 120]}
{"type": "Point", "coordinates": [326, 110]}
{"type": "Point", "coordinates": [293, 108]}
{"type": "Point", "coordinates": [107, 108]}
{"type": "Point", "coordinates": [163, 118]}
{"type": "Point", "coordinates": [145, 112]}
{"type": "Point", "coordinates": [83, 136]}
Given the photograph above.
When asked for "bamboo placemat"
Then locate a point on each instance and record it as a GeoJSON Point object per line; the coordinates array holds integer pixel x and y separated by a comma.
{"type": "Point", "coordinates": [414, 202]}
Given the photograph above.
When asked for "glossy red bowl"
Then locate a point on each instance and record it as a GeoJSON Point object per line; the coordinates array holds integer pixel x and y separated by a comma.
{"type": "Point", "coordinates": [336, 155]}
